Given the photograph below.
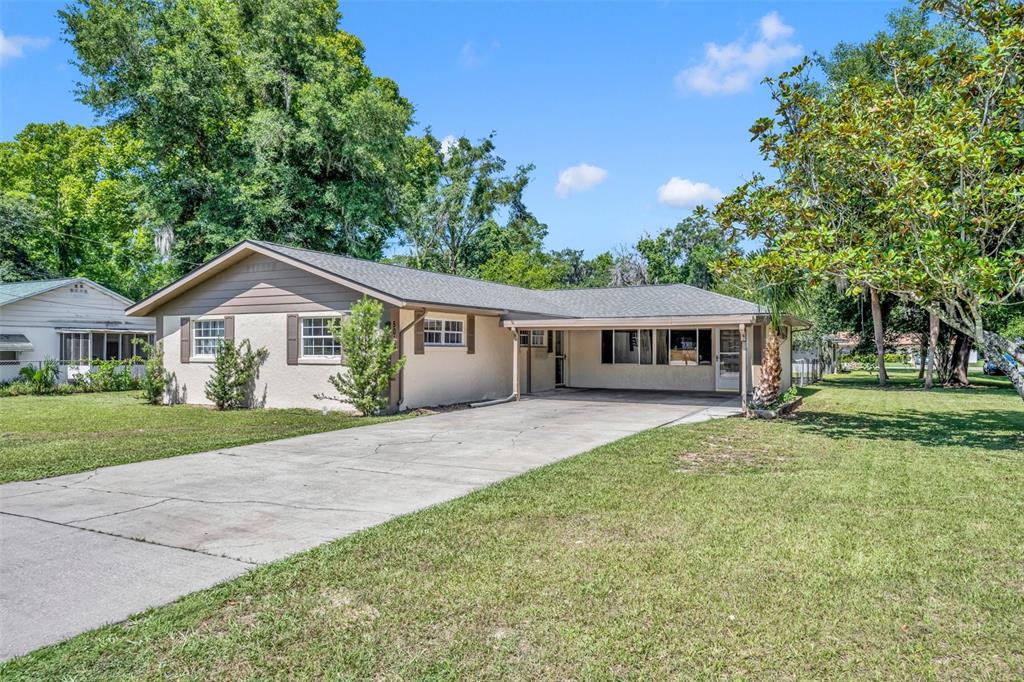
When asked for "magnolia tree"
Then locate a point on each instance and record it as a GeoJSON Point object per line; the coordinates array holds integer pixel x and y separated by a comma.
{"type": "Point", "coordinates": [913, 185]}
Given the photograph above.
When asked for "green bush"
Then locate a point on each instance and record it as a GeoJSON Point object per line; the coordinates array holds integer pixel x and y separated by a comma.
{"type": "Point", "coordinates": [16, 388]}
{"type": "Point", "coordinates": [235, 370]}
{"type": "Point", "coordinates": [368, 346]}
{"type": "Point", "coordinates": [154, 382]}
{"type": "Point", "coordinates": [40, 380]}
{"type": "Point", "coordinates": [111, 375]}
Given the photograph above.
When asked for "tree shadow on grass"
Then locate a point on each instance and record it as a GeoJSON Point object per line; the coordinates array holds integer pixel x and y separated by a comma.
{"type": "Point", "coordinates": [987, 429]}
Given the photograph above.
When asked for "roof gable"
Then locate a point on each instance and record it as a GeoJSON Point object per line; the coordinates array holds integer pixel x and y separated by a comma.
{"type": "Point", "coordinates": [12, 292]}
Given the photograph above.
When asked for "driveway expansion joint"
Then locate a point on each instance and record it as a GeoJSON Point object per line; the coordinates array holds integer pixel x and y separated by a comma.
{"type": "Point", "coordinates": [125, 537]}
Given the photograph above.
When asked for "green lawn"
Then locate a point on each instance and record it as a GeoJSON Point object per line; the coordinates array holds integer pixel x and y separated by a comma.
{"type": "Point", "coordinates": [44, 436]}
{"type": "Point", "coordinates": [879, 535]}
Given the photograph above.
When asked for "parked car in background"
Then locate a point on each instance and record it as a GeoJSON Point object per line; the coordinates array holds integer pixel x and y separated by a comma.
{"type": "Point", "coordinates": [992, 369]}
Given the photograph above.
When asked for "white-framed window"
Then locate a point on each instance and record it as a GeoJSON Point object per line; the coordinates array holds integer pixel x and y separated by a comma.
{"type": "Point", "coordinates": [538, 337]}
{"type": "Point", "coordinates": [437, 332]}
{"type": "Point", "coordinates": [524, 337]}
{"type": "Point", "coordinates": [317, 340]}
{"type": "Point", "coordinates": [206, 337]}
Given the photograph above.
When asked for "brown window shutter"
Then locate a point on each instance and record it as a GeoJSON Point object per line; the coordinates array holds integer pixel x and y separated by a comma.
{"type": "Point", "coordinates": [159, 329]}
{"type": "Point", "coordinates": [293, 339]}
{"type": "Point", "coordinates": [186, 340]}
{"type": "Point", "coordinates": [418, 337]}
{"type": "Point", "coordinates": [551, 341]}
{"type": "Point", "coordinates": [471, 334]}
{"type": "Point", "coordinates": [229, 328]}
{"type": "Point", "coordinates": [758, 345]}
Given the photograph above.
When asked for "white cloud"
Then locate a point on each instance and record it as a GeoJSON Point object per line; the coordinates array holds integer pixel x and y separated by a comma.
{"type": "Point", "coordinates": [446, 146]}
{"type": "Point", "coordinates": [472, 57]}
{"type": "Point", "coordinates": [736, 66]}
{"type": "Point", "coordinates": [579, 179]}
{"type": "Point", "coordinates": [13, 47]}
{"type": "Point", "coordinates": [773, 28]}
{"type": "Point", "coordinates": [683, 192]}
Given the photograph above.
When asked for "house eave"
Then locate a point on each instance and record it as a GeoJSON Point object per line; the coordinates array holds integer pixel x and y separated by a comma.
{"type": "Point", "coordinates": [627, 322]}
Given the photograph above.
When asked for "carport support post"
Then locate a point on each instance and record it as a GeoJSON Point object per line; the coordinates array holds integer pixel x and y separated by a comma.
{"type": "Point", "coordinates": [515, 363]}
{"type": "Point", "coordinates": [743, 367]}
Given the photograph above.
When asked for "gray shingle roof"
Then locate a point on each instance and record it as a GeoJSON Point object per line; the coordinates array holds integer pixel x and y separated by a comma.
{"type": "Point", "coordinates": [409, 284]}
{"type": "Point", "coordinates": [15, 291]}
{"type": "Point", "coordinates": [664, 300]}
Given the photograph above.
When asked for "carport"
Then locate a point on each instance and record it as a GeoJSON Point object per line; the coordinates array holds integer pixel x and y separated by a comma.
{"type": "Point", "coordinates": [702, 355]}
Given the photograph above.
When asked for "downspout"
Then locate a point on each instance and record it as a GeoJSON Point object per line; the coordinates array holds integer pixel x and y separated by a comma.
{"type": "Point", "coordinates": [401, 335]}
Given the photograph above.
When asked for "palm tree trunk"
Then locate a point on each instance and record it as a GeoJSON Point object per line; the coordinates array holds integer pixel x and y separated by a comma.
{"type": "Point", "coordinates": [876, 320]}
{"type": "Point", "coordinates": [767, 390]}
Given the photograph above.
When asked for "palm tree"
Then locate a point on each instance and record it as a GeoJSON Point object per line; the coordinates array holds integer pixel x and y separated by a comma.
{"type": "Point", "coordinates": [779, 297]}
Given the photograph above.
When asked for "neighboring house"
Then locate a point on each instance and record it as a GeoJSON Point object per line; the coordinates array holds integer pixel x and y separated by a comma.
{"type": "Point", "coordinates": [73, 321]}
{"type": "Point", "coordinates": [464, 339]}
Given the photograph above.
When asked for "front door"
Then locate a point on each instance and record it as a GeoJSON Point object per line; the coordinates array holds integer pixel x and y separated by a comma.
{"type": "Point", "coordinates": [727, 374]}
{"type": "Point", "coordinates": [559, 358]}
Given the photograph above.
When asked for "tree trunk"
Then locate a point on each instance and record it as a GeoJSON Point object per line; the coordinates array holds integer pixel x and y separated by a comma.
{"type": "Point", "coordinates": [767, 390]}
{"type": "Point", "coordinates": [961, 357]}
{"type": "Point", "coordinates": [933, 346]}
{"type": "Point", "coordinates": [922, 355]}
{"type": "Point", "coordinates": [876, 319]}
{"type": "Point", "coordinates": [997, 349]}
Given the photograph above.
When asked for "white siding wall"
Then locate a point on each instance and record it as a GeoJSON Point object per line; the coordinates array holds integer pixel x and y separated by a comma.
{"type": "Point", "coordinates": [449, 375]}
{"type": "Point", "coordinates": [39, 317]}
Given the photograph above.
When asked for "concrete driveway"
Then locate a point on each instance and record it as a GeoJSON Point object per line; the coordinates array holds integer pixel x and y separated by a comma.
{"type": "Point", "coordinates": [83, 550]}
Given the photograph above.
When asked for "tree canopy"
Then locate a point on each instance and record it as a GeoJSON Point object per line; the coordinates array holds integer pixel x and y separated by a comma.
{"type": "Point", "coordinates": [257, 118]}
{"type": "Point", "coordinates": [912, 184]}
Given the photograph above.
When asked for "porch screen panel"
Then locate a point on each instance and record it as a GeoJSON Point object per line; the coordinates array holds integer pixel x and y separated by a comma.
{"type": "Point", "coordinates": [627, 346]}
{"type": "Point", "coordinates": [661, 347]}
{"type": "Point", "coordinates": [683, 344]}
{"type": "Point", "coordinates": [646, 352]}
{"type": "Point", "coordinates": [99, 346]}
{"type": "Point", "coordinates": [704, 351]}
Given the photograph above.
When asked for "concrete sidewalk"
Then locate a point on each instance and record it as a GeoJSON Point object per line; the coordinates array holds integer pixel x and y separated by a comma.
{"type": "Point", "coordinates": [80, 551]}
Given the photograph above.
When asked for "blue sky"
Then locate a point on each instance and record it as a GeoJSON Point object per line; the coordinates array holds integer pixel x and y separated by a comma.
{"type": "Point", "coordinates": [631, 111]}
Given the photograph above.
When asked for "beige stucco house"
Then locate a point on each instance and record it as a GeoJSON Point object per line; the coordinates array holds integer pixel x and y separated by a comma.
{"type": "Point", "coordinates": [465, 340]}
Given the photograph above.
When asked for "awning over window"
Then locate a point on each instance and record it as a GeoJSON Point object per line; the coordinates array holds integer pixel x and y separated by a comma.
{"type": "Point", "coordinates": [17, 342]}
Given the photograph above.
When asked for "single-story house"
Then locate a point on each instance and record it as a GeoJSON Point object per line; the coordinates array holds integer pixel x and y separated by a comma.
{"type": "Point", "coordinates": [465, 340]}
{"type": "Point", "coordinates": [72, 320]}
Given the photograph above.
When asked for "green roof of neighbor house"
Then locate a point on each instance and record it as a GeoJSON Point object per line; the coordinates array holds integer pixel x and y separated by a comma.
{"type": "Point", "coordinates": [11, 292]}
{"type": "Point", "coordinates": [407, 286]}
{"type": "Point", "coordinates": [15, 291]}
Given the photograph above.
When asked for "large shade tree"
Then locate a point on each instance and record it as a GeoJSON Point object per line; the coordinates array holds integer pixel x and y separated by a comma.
{"type": "Point", "coordinates": [259, 118]}
{"type": "Point", "coordinates": [470, 210]}
{"type": "Point", "coordinates": [912, 185]}
{"type": "Point", "coordinates": [72, 204]}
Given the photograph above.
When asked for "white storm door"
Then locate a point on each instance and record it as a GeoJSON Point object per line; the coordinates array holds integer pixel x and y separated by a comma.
{"type": "Point", "coordinates": [727, 363]}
